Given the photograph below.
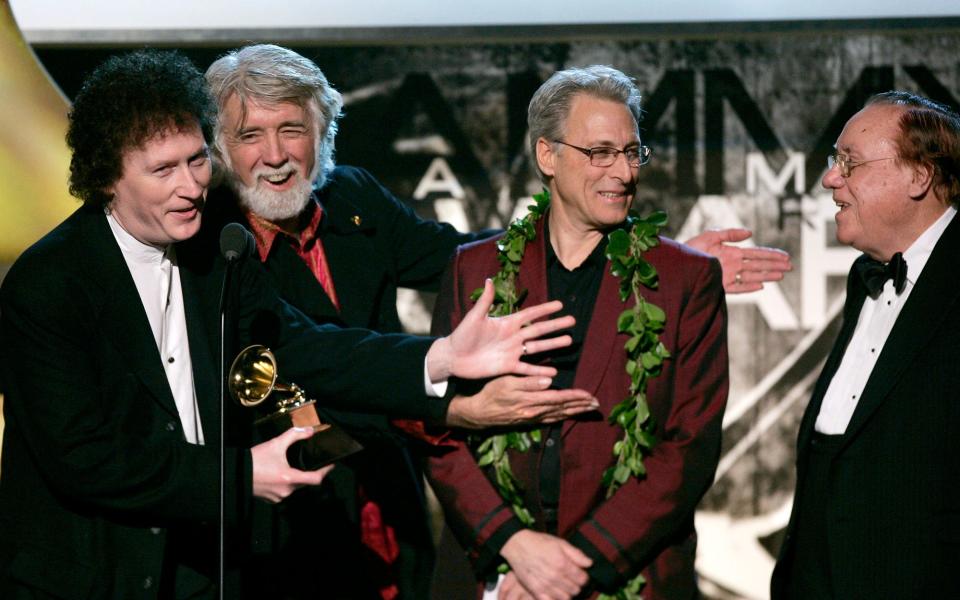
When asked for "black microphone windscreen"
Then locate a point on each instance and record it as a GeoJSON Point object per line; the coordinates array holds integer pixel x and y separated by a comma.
{"type": "Point", "coordinates": [235, 242]}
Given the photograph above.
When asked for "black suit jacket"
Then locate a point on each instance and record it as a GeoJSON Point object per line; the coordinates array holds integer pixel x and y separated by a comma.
{"type": "Point", "coordinates": [893, 521]}
{"type": "Point", "coordinates": [98, 487]}
{"type": "Point", "coordinates": [373, 244]}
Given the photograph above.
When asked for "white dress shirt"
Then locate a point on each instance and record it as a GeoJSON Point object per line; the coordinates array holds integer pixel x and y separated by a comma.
{"type": "Point", "coordinates": [157, 278]}
{"type": "Point", "coordinates": [877, 318]}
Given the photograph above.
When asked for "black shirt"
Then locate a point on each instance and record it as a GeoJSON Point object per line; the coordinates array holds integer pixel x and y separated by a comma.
{"type": "Point", "coordinates": [577, 289]}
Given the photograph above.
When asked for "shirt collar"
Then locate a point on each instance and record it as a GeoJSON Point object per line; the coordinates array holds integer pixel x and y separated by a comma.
{"type": "Point", "coordinates": [919, 251]}
{"type": "Point", "coordinates": [596, 258]}
{"type": "Point", "coordinates": [133, 248]}
{"type": "Point", "coordinates": [266, 232]}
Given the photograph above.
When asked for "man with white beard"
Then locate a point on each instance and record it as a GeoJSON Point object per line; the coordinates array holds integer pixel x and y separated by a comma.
{"type": "Point", "coordinates": [365, 531]}
{"type": "Point", "coordinates": [338, 245]}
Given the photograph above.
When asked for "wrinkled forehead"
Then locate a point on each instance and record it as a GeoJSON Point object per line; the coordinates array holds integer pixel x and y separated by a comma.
{"type": "Point", "coordinates": [239, 109]}
{"type": "Point", "coordinates": [599, 120]}
{"type": "Point", "coordinates": [874, 128]}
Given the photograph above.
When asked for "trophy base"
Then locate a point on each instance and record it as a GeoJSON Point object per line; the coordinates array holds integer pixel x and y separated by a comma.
{"type": "Point", "coordinates": [328, 444]}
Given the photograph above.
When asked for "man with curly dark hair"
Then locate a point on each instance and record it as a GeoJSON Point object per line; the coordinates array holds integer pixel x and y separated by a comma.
{"type": "Point", "coordinates": [111, 329]}
{"type": "Point", "coordinates": [112, 115]}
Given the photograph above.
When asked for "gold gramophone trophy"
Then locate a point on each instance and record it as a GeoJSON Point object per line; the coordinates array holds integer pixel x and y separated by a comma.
{"type": "Point", "coordinates": [253, 378]}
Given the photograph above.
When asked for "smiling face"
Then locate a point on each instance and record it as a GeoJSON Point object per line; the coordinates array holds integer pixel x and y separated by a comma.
{"type": "Point", "coordinates": [271, 152]}
{"type": "Point", "coordinates": [880, 213]}
{"type": "Point", "coordinates": [588, 198]}
{"type": "Point", "coordinates": [159, 197]}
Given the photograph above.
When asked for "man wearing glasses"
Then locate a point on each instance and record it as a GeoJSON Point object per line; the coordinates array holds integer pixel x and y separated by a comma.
{"type": "Point", "coordinates": [877, 506]}
{"type": "Point", "coordinates": [338, 245]}
{"type": "Point", "coordinates": [583, 132]}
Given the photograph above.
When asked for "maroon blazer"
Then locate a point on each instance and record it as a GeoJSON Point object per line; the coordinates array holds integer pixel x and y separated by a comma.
{"type": "Point", "coordinates": [646, 524]}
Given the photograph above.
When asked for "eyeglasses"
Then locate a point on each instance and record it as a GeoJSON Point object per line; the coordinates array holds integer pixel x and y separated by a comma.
{"type": "Point", "coordinates": [846, 165]}
{"type": "Point", "coordinates": [604, 156]}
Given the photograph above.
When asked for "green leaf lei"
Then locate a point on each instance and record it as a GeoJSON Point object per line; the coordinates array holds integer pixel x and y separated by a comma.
{"type": "Point", "coordinates": [643, 323]}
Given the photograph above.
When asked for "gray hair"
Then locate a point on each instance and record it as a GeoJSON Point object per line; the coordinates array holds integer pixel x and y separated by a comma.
{"type": "Point", "coordinates": [272, 74]}
{"type": "Point", "coordinates": [550, 105]}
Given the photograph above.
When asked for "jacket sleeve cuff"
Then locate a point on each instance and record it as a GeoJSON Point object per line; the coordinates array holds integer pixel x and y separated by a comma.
{"type": "Point", "coordinates": [603, 575]}
{"type": "Point", "coordinates": [487, 557]}
{"type": "Point", "coordinates": [436, 411]}
{"type": "Point", "coordinates": [432, 430]}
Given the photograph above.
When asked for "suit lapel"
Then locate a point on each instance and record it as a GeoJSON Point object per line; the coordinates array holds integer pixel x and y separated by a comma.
{"type": "Point", "coordinates": [533, 269]}
{"type": "Point", "coordinates": [601, 334]}
{"type": "Point", "coordinates": [601, 340]}
{"type": "Point", "coordinates": [297, 283]}
{"type": "Point", "coordinates": [931, 300]}
{"type": "Point", "coordinates": [124, 320]}
{"type": "Point", "coordinates": [346, 248]}
{"type": "Point", "coordinates": [202, 351]}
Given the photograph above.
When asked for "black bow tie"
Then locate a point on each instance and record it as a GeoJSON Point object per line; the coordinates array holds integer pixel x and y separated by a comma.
{"type": "Point", "coordinates": [875, 273]}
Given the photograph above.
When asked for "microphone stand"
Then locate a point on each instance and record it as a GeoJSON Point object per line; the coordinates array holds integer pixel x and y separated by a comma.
{"type": "Point", "coordinates": [221, 518]}
{"type": "Point", "coordinates": [235, 244]}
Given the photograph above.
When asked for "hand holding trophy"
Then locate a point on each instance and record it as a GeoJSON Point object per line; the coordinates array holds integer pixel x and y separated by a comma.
{"type": "Point", "coordinates": [253, 378]}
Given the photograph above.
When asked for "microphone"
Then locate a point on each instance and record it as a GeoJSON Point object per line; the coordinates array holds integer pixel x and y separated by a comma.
{"type": "Point", "coordinates": [236, 242]}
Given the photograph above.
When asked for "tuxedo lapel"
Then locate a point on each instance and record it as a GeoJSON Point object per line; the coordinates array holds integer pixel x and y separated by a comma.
{"type": "Point", "coordinates": [856, 294]}
{"type": "Point", "coordinates": [935, 295]}
{"type": "Point", "coordinates": [123, 319]}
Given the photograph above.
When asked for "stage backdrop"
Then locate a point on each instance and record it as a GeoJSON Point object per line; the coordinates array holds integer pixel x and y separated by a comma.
{"type": "Point", "coordinates": [33, 156]}
{"type": "Point", "coordinates": [741, 118]}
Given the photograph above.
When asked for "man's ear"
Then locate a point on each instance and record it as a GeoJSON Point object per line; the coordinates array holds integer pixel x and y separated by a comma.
{"type": "Point", "coordinates": [921, 182]}
{"type": "Point", "coordinates": [546, 157]}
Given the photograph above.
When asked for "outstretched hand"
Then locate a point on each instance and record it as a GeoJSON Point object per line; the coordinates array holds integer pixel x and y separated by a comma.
{"type": "Point", "coordinates": [744, 269]}
{"type": "Point", "coordinates": [483, 346]}
{"type": "Point", "coordinates": [273, 477]}
{"type": "Point", "coordinates": [510, 400]}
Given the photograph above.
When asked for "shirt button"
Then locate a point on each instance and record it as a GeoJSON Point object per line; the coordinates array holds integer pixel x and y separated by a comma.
{"type": "Point", "coordinates": [170, 360]}
{"type": "Point", "coordinates": [147, 582]}
{"type": "Point", "coordinates": [171, 426]}
{"type": "Point", "coordinates": [549, 442]}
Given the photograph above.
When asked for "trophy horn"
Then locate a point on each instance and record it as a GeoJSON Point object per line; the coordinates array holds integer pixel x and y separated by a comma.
{"type": "Point", "coordinates": [253, 377]}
